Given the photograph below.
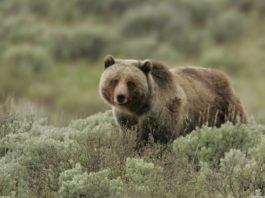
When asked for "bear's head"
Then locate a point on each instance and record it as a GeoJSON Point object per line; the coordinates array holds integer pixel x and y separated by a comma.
{"type": "Point", "coordinates": [124, 83]}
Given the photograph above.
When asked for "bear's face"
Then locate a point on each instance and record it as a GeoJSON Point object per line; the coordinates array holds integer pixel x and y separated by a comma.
{"type": "Point", "coordinates": [124, 83]}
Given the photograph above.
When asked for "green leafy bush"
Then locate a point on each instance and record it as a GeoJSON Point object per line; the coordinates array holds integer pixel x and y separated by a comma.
{"type": "Point", "coordinates": [11, 182]}
{"type": "Point", "coordinates": [91, 158]}
{"type": "Point", "coordinates": [68, 11]}
{"type": "Point", "coordinates": [147, 47]}
{"type": "Point", "coordinates": [27, 60]}
{"type": "Point", "coordinates": [167, 52]}
{"type": "Point", "coordinates": [147, 21]}
{"type": "Point", "coordinates": [119, 7]}
{"type": "Point", "coordinates": [87, 7]}
{"type": "Point", "coordinates": [143, 178]}
{"type": "Point", "coordinates": [43, 152]}
{"type": "Point", "coordinates": [141, 48]}
{"type": "Point", "coordinates": [224, 61]}
{"type": "Point", "coordinates": [165, 24]}
{"type": "Point", "coordinates": [80, 42]}
{"type": "Point", "coordinates": [241, 172]}
{"type": "Point", "coordinates": [177, 32]}
{"type": "Point", "coordinates": [11, 124]}
{"type": "Point", "coordinates": [225, 159]}
{"type": "Point", "coordinates": [75, 183]}
{"type": "Point", "coordinates": [260, 116]}
{"type": "Point", "coordinates": [188, 43]}
{"type": "Point", "coordinates": [91, 42]}
{"type": "Point", "coordinates": [210, 144]}
{"type": "Point", "coordinates": [20, 29]}
{"type": "Point", "coordinates": [243, 5]}
{"type": "Point", "coordinates": [76, 10]}
{"type": "Point", "coordinates": [58, 42]}
{"type": "Point", "coordinates": [39, 8]}
{"type": "Point", "coordinates": [228, 27]}
{"type": "Point", "coordinates": [200, 11]}
{"type": "Point", "coordinates": [261, 8]}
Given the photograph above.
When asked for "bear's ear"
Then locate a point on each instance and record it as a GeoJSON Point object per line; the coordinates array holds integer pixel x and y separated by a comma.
{"type": "Point", "coordinates": [146, 66]}
{"type": "Point", "coordinates": [108, 61]}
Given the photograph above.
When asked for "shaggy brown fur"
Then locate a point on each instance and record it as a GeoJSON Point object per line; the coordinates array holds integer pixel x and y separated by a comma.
{"type": "Point", "coordinates": [147, 96]}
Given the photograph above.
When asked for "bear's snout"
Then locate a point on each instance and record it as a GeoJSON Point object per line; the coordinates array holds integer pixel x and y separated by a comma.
{"type": "Point", "coordinates": [121, 94]}
{"type": "Point", "coordinates": [121, 99]}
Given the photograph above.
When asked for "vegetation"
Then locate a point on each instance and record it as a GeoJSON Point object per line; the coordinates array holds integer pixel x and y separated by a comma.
{"type": "Point", "coordinates": [52, 57]}
{"type": "Point", "coordinates": [51, 54]}
{"type": "Point", "coordinates": [91, 158]}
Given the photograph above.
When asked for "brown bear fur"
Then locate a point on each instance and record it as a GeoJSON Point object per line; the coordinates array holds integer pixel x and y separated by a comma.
{"type": "Point", "coordinates": [166, 103]}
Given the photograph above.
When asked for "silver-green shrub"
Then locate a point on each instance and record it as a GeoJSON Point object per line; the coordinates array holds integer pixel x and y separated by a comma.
{"type": "Point", "coordinates": [210, 144]}
{"type": "Point", "coordinates": [80, 42]}
{"type": "Point", "coordinates": [239, 175]}
{"type": "Point", "coordinates": [92, 158]}
{"type": "Point", "coordinates": [76, 183]}
{"type": "Point", "coordinates": [223, 60]}
{"type": "Point", "coordinates": [142, 177]}
{"type": "Point", "coordinates": [201, 11]}
{"type": "Point", "coordinates": [228, 26]}
{"type": "Point", "coordinates": [228, 159]}
{"type": "Point", "coordinates": [27, 60]}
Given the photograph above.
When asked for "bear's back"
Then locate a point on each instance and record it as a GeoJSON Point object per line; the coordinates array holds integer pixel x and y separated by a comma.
{"type": "Point", "coordinates": [202, 81]}
{"type": "Point", "coordinates": [208, 91]}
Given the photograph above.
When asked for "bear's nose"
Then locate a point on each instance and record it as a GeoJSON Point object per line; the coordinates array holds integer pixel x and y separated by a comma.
{"type": "Point", "coordinates": [121, 99]}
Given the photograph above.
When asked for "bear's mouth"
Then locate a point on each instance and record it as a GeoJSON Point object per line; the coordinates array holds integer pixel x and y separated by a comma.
{"type": "Point", "coordinates": [121, 104]}
{"type": "Point", "coordinates": [124, 105]}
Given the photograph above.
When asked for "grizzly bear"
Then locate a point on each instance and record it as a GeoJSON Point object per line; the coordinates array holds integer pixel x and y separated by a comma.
{"type": "Point", "coordinates": [148, 97]}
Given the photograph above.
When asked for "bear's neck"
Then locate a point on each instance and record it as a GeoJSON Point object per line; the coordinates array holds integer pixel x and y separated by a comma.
{"type": "Point", "coordinates": [146, 102]}
{"type": "Point", "coordinates": [144, 107]}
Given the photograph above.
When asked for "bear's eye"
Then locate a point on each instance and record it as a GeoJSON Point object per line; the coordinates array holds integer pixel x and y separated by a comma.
{"type": "Point", "coordinates": [130, 84]}
{"type": "Point", "coordinates": [113, 82]}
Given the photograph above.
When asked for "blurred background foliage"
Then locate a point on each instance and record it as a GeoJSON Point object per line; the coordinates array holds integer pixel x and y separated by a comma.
{"type": "Point", "coordinates": [51, 51]}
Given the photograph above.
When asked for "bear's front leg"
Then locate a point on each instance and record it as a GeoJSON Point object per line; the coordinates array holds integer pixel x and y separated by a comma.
{"type": "Point", "coordinates": [159, 129]}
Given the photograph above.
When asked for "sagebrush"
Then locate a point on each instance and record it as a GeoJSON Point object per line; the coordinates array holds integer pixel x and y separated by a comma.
{"type": "Point", "coordinates": [91, 158]}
